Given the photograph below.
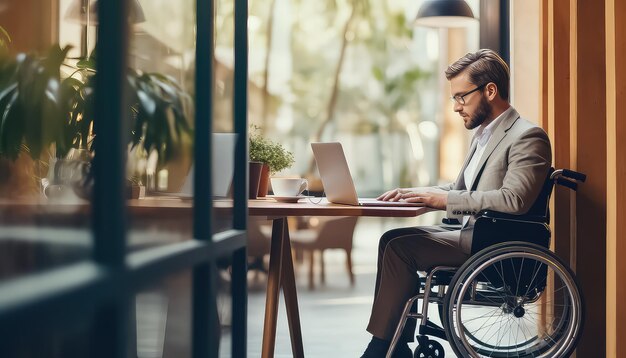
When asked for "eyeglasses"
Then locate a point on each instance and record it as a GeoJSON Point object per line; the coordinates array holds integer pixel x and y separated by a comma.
{"type": "Point", "coordinates": [460, 98]}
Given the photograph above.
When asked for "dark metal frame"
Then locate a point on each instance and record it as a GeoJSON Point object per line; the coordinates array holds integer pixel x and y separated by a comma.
{"type": "Point", "coordinates": [106, 285]}
{"type": "Point", "coordinates": [495, 27]}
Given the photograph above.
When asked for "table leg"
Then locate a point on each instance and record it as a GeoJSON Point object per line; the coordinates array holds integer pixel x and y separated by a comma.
{"type": "Point", "coordinates": [281, 274]}
{"type": "Point", "coordinates": [273, 288]}
{"type": "Point", "coordinates": [291, 298]}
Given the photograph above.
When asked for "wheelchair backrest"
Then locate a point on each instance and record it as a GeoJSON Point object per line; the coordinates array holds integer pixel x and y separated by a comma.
{"type": "Point", "coordinates": [531, 227]}
{"type": "Point", "coordinates": [541, 207]}
{"type": "Point", "coordinates": [489, 232]}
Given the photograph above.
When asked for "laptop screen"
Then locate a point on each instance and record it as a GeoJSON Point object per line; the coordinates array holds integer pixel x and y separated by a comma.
{"type": "Point", "coordinates": [222, 166]}
{"type": "Point", "coordinates": [334, 172]}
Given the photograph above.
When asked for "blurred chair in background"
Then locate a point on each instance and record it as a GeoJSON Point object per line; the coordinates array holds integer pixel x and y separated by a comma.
{"type": "Point", "coordinates": [329, 233]}
{"type": "Point", "coordinates": [259, 234]}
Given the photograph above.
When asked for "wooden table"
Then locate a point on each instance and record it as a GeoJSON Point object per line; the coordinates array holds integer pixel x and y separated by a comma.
{"type": "Point", "coordinates": [281, 273]}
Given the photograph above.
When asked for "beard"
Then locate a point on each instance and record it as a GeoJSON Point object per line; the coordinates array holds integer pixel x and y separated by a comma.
{"type": "Point", "coordinates": [483, 112]}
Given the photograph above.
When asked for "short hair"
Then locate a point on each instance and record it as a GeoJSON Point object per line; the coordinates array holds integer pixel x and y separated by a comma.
{"type": "Point", "coordinates": [483, 66]}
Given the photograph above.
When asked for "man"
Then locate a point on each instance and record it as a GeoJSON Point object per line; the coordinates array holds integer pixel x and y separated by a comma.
{"type": "Point", "coordinates": [504, 171]}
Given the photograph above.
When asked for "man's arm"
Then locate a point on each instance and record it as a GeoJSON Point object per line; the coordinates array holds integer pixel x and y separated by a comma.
{"type": "Point", "coordinates": [529, 162]}
{"type": "Point", "coordinates": [446, 187]}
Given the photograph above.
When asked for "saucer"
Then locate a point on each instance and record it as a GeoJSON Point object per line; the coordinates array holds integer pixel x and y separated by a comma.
{"type": "Point", "coordinates": [288, 199]}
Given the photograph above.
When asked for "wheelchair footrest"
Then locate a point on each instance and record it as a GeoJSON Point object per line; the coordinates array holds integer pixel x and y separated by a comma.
{"type": "Point", "coordinates": [431, 329]}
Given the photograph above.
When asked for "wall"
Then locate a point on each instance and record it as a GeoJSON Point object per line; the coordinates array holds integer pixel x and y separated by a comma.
{"type": "Point", "coordinates": [525, 37]}
{"type": "Point", "coordinates": [28, 22]}
{"type": "Point", "coordinates": [580, 82]}
{"type": "Point", "coordinates": [616, 172]}
{"type": "Point", "coordinates": [582, 48]}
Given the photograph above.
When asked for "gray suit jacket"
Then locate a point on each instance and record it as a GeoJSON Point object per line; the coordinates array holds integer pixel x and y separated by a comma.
{"type": "Point", "coordinates": [509, 175]}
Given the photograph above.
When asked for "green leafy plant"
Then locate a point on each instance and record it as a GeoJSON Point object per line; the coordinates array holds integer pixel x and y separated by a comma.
{"type": "Point", "coordinates": [271, 153]}
{"type": "Point", "coordinates": [78, 125]}
{"type": "Point", "coordinates": [32, 103]}
{"type": "Point", "coordinates": [37, 108]}
{"type": "Point", "coordinates": [5, 39]}
{"type": "Point", "coordinates": [159, 106]}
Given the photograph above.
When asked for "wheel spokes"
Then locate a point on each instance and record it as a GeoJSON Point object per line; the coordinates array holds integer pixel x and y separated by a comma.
{"type": "Point", "coordinates": [516, 318]}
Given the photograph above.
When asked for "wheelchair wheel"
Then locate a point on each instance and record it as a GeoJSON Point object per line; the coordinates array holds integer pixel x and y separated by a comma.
{"type": "Point", "coordinates": [513, 299]}
{"type": "Point", "coordinates": [429, 349]}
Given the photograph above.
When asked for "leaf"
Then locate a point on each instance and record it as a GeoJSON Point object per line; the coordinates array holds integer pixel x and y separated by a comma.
{"type": "Point", "coordinates": [137, 130]}
{"type": "Point", "coordinates": [170, 90]}
{"type": "Point", "coordinates": [7, 92]}
{"type": "Point", "coordinates": [414, 75]}
{"type": "Point", "coordinates": [52, 122]}
{"type": "Point", "coordinates": [148, 104]}
{"type": "Point", "coordinates": [87, 64]}
{"type": "Point", "coordinates": [5, 36]}
{"type": "Point", "coordinates": [12, 129]}
{"type": "Point", "coordinates": [378, 73]}
{"type": "Point", "coordinates": [73, 82]}
{"type": "Point", "coordinates": [55, 58]}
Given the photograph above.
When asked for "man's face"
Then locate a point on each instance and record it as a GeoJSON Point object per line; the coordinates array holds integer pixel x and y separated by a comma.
{"type": "Point", "coordinates": [477, 107]}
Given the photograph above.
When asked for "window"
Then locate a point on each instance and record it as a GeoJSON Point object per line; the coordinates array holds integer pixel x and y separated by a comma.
{"type": "Point", "coordinates": [85, 260]}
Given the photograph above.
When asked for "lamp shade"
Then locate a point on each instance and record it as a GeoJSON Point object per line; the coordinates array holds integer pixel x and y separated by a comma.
{"type": "Point", "coordinates": [76, 12]}
{"type": "Point", "coordinates": [445, 13]}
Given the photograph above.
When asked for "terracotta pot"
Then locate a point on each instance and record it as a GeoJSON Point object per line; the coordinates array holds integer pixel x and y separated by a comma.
{"type": "Point", "coordinates": [264, 181]}
{"type": "Point", "coordinates": [254, 179]}
{"type": "Point", "coordinates": [135, 192]}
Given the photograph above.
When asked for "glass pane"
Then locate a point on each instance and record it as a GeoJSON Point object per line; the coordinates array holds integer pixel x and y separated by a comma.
{"type": "Point", "coordinates": [225, 309]}
{"type": "Point", "coordinates": [372, 81]}
{"type": "Point", "coordinates": [62, 340]}
{"type": "Point", "coordinates": [162, 319]}
{"type": "Point", "coordinates": [45, 156]}
{"type": "Point", "coordinates": [161, 75]}
{"type": "Point", "coordinates": [223, 121]}
{"type": "Point", "coordinates": [223, 166]}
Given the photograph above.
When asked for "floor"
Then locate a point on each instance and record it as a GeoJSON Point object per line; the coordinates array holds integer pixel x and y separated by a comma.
{"type": "Point", "coordinates": [333, 315]}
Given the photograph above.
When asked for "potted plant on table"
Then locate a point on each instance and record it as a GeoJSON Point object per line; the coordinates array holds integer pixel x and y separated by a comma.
{"type": "Point", "coordinates": [273, 156]}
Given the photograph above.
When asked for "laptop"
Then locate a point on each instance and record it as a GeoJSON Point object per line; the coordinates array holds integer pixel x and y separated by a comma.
{"type": "Point", "coordinates": [222, 167]}
{"type": "Point", "coordinates": [337, 181]}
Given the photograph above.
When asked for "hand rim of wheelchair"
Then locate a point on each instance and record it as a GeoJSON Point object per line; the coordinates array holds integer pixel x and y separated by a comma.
{"type": "Point", "coordinates": [503, 252]}
{"type": "Point", "coordinates": [479, 269]}
{"type": "Point", "coordinates": [496, 253]}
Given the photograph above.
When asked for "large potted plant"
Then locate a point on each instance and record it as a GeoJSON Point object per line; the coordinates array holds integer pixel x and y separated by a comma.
{"type": "Point", "coordinates": [273, 156]}
{"type": "Point", "coordinates": [32, 114]}
{"type": "Point", "coordinates": [32, 105]}
{"type": "Point", "coordinates": [158, 109]}
{"type": "Point", "coordinates": [38, 109]}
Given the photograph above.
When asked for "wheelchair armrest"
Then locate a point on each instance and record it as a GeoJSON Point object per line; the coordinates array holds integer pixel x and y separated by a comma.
{"type": "Point", "coordinates": [489, 214]}
{"type": "Point", "coordinates": [492, 227]}
{"type": "Point", "coordinates": [448, 221]}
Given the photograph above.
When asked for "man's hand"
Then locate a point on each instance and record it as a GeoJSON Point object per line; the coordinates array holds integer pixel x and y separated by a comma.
{"type": "Point", "coordinates": [394, 194]}
{"type": "Point", "coordinates": [432, 198]}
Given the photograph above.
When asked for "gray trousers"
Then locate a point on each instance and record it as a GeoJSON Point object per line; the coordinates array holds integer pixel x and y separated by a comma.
{"type": "Point", "coordinates": [401, 253]}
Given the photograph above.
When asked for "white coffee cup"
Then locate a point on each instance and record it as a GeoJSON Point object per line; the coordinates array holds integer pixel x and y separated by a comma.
{"type": "Point", "coordinates": [288, 186]}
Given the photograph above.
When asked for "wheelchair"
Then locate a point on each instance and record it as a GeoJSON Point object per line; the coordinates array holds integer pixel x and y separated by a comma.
{"type": "Point", "coordinates": [512, 298]}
